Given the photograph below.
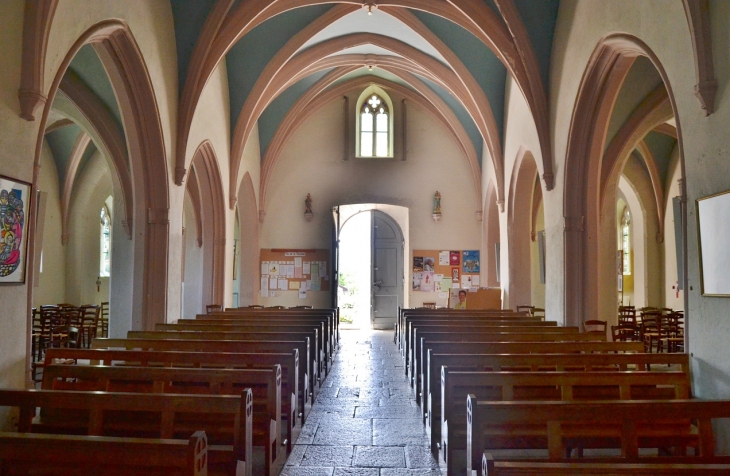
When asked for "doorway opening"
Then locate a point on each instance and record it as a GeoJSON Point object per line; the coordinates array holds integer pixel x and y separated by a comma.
{"type": "Point", "coordinates": [371, 251]}
{"type": "Point", "coordinates": [353, 290]}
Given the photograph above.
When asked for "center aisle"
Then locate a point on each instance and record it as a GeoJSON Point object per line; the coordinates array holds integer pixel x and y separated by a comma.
{"type": "Point", "coordinates": [365, 420]}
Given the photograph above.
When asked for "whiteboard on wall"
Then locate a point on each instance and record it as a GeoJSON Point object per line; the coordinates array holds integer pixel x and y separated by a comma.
{"type": "Point", "coordinates": [713, 225]}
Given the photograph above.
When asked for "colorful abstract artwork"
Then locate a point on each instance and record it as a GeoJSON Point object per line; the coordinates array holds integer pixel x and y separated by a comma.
{"type": "Point", "coordinates": [14, 198]}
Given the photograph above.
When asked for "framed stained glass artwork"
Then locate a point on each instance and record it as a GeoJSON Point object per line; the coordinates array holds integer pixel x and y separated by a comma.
{"type": "Point", "coordinates": [14, 203]}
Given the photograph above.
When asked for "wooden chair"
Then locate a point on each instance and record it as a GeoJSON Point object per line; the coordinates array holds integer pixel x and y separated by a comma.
{"type": "Point", "coordinates": [651, 322]}
{"type": "Point", "coordinates": [524, 308]}
{"type": "Point", "coordinates": [104, 319]}
{"type": "Point", "coordinates": [627, 315]}
{"type": "Point", "coordinates": [89, 323]}
{"type": "Point", "coordinates": [673, 335]}
{"type": "Point", "coordinates": [213, 308]}
{"type": "Point", "coordinates": [595, 326]}
{"type": "Point", "coordinates": [623, 333]}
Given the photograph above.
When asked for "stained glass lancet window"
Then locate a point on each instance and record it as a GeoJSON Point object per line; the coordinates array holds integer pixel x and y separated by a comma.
{"type": "Point", "coordinates": [106, 243]}
{"type": "Point", "coordinates": [626, 240]}
{"type": "Point", "coordinates": [374, 124]}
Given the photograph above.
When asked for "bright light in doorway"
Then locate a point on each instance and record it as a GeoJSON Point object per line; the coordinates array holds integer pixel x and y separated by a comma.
{"type": "Point", "coordinates": [354, 289]}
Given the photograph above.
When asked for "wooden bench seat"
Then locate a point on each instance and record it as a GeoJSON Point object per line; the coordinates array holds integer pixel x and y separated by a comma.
{"type": "Point", "coordinates": [290, 394]}
{"type": "Point", "coordinates": [264, 384]}
{"type": "Point", "coordinates": [23, 454]}
{"type": "Point", "coordinates": [214, 346]}
{"type": "Point", "coordinates": [627, 425]}
{"type": "Point", "coordinates": [311, 338]}
{"type": "Point", "coordinates": [418, 356]}
{"type": "Point", "coordinates": [708, 466]}
{"type": "Point", "coordinates": [226, 420]}
{"type": "Point", "coordinates": [449, 347]}
{"type": "Point", "coordinates": [542, 386]}
{"type": "Point", "coordinates": [323, 344]}
{"type": "Point", "coordinates": [534, 363]}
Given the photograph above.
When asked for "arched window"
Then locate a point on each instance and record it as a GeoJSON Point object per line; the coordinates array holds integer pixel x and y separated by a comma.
{"type": "Point", "coordinates": [374, 121]}
{"type": "Point", "coordinates": [374, 125]}
{"type": "Point", "coordinates": [105, 257]}
{"type": "Point", "coordinates": [626, 240]}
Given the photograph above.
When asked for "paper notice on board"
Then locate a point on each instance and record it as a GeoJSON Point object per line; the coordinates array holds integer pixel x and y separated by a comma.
{"type": "Point", "coordinates": [265, 286]}
{"type": "Point", "coordinates": [444, 258]}
{"type": "Point", "coordinates": [307, 267]}
{"type": "Point", "coordinates": [446, 284]}
{"type": "Point", "coordinates": [274, 268]}
{"type": "Point", "coordinates": [283, 284]}
{"type": "Point", "coordinates": [316, 285]}
{"type": "Point", "coordinates": [265, 267]}
{"type": "Point", "coordinates": [297, 262]}
{"type": "Point", "coordinates": [294, 285]}
{"type": "Point", "coordinates": [315, 271]}
{"type": "Point", "coordinates": [272, 282]}
{"type": "Point", "coordinates": [290, 271]}
{"type": "Point", "coordinates": [443, 295]}
{"type": "Point", "coordinates": [298, 272]}
{"type": "Point", "coordinates": [308, 284]}
{"type": "Point", "coordinates": [475, 281]}
{"type": "Point", "coordinates": [302, 292]}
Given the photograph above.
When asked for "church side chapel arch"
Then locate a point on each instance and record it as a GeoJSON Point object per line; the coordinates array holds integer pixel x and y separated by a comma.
{"type": "Point", "coordinates": [248, 219]}
{"type": "Point", "coordinates": [586, 266]}
{"type": "Point", "coordinates": [206, 192]}
{"type": "Point", "coordinates": [491, 237]}
{"type": "Point", "coordinates": [520, 228]}
{"type": "Point", "coordinates": [118, 51]}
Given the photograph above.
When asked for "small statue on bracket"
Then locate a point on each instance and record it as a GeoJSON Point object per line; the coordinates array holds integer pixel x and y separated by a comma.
{"type": "Point", "coordinates": [308, 214]}
{"type": "Point", "coordinates": [436, 207]}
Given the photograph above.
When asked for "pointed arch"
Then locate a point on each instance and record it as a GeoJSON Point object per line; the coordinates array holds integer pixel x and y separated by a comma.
{"type": "Point", "coordinates": [519, 227]}
{"type": "Point", "coordinates": [118, 51]}
{"type": "Point", "coordinates": [491, 236]}
{"type": "Point", "coordinates": [602, 80]}
{"type": "Point", "coordinates": [208, 189]}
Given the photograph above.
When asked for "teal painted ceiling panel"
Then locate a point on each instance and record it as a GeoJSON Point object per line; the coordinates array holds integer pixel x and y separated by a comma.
{"type": "Point", "coordinates": [486, 68]}
{"type": "Point", "coordinates": [61, 141]}
{"type": "Point", "coordinates": [540, 18]}
{"type": "Point", "coordinates": [87, 65]}
{"type": "Point", "coordinates": [248, 58]}
{"type": "Point", "coordinates": [276, 111]}
{"type": "Point", "coordinates": [189, 17]}
{"type": "Point", "coordinates": [661, 146]}
{"type": "Point", "coordinates": [461, 114]}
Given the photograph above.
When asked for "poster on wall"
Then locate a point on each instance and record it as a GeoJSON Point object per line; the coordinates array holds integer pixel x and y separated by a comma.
{"type": "Point", "coordinates": [428, 264]}
{"type": "Point", "coordinates": [417, 264]}
{"type": "Point", "coordinates": [471, 261]}
{"type": "Point", "coordinates": [14, 202]}
{"type": "Point", "coordinates": [455, 277]}
{"type": "Point", "coordinates": [417, 281]}
{"type": "Point", "coordinates": [427, 282]}
{"type": "Point", "coordinates": [454, 258]}
{"type": "Point", "coordinates": [444, 258]}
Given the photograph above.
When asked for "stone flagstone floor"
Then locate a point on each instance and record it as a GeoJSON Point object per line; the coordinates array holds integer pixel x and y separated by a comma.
{"type": "Point", "coordinates": [365, 420]}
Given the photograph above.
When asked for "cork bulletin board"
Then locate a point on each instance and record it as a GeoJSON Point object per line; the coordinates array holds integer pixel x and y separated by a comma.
{"type": "Point", "coordinates": [454, 274]}
{"type": "Point", "coordinates": [294, 270]}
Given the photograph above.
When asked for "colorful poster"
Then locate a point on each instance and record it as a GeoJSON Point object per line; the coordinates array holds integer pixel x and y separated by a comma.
{"type": "Point", "coordinates": [471, 261]}
{"type": "Point", "coordinates": [444, 258]}
{"type": "Point", "coordinates": [427, 282]}
{"type": "Point", "coordinates": [455, 276]}
{"type": "Point", "coordinates": [417, 264]}
{"type": "Point", "coordinates": [14, 201]}
{"type": "Point", "coordinates": [454, 258]}
{"type": "Point", "coordinates": [457, 298]}
{"type": "Point", "coordinates": [428, 264]}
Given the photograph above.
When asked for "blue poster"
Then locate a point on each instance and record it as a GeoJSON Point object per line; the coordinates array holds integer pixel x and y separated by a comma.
{"type": "Point", "coordinates": [470, 261]}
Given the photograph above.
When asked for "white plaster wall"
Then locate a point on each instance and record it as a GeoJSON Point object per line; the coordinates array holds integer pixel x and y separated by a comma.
{"type": "Point", "coordinates": [248, 216]}
{"type": "Point", "coordinates": [92, 188]}
{"type": "Point", "coordinates": [51, 287]}
{"type": "Point", "coordinates": [311, 163]}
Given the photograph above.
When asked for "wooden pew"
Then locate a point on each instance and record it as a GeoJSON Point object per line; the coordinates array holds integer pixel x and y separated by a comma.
{"type": "Point", "coordinates": [453, 315]}
{"type": "Point", "coordinates": [414, 328]}
{"type": "Point", "coordinates": [310, 338]}
{"type": "Point", "coordinates": [290, 394]}
{"type": "Point", "coordinates": [60, 455]}
{"type": "Point", "coordinates": [443, 313]}
{"type": "Point", "coordinates": [490, 467]}
{"type": "Point", "coordinates": [233, 327]}
{"type": "Point", "coordinates": [542, 386]}
{"type": "Point", "coordinates": [330, 316]}
{"type": "Point", "coordinates": [264, 384]}
{"type": "Point", "coordinates": [329, 343]}
{"type": "Point", "coordinates": [226, 420]}
{"type": "Point", "coordinates": [627, 425]}
{"type": "Point", "coordinates": [532, 363]}
{"type": "Point", "coordinates": [418, 356]}
{"type": "Point", "coordinates": [214, 346]}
